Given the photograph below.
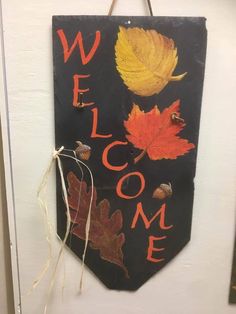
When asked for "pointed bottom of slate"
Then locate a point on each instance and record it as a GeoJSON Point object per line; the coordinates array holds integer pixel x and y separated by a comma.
{"type": "Point", "coordinates": [113, 277]}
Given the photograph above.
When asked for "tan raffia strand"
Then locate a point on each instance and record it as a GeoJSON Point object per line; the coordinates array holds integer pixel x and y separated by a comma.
{"type": "Point", "coordinates": [88, 221]}
{"type": "Point", "coordinates": [43, 205]}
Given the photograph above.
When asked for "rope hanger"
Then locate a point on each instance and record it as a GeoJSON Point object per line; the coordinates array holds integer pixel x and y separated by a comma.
{"type": "Point", "coordinates": [114, 1]}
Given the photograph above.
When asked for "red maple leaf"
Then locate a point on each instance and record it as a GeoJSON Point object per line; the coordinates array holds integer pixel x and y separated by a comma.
{"type": "Point", "coordinates": [155, 133]}
{"type": "Point", "coordinates": [104, 234]}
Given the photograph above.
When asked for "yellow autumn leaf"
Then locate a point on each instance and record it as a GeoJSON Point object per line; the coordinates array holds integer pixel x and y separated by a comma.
{"type": "Point", "coordinates": [145, 60]}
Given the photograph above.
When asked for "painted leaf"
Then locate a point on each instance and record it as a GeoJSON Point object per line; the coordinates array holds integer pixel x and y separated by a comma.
{"type": "Point", "coordinates": [104, 232]}
{"type": "Point", "coordinates": [155, 133]}
{"type": "Point", "coordinates": [145, 60]}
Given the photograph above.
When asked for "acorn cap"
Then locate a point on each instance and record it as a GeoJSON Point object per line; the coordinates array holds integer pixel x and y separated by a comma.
{"type": "Point", "coordinates": [83, 151]}
{"type": "Point", "coordinates": [163, 191]}
{"type": "Point", "coordinates": [167, 189]}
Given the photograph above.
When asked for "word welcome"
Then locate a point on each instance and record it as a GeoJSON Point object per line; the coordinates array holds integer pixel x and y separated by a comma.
{"type": "Point", "coordinates": [77, 78]}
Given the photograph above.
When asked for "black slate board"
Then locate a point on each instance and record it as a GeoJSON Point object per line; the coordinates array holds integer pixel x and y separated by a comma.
{"type": "Point", "coordinates": [114, 102]}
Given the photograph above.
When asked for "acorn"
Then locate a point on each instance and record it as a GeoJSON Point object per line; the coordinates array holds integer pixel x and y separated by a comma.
{"type": "Point", "coordinates": [163, 191]}
{"type": "Point", "coordinates": [83, 151]}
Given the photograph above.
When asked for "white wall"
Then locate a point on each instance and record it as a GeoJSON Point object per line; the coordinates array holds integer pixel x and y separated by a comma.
{"type": "Point", "coordinates": [197, 280]}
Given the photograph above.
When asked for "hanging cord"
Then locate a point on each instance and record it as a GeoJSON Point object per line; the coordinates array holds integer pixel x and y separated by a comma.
{"type": "Point", "coordinates": [150, 7]}
{"type": "Point", "coordinates": [111, 7]}
{"type": "Point", "coordinates": [114, 1]}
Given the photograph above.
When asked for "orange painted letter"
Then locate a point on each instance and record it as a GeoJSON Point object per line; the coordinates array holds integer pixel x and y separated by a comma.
{"type": "Point", "coordinates": [94, 133]}
{"type": "Point", "coordinates": [161, 212]}
{"type": "Point", "coordinates": [77, 90]}
{"type": "Point", "coordinates": [122, 179]}
{"type": "Point", "coordinates": [105, 155]}
{"type": "Point", "coordinates": [151, 249]}
{"type": "Point", "coordinates": [78, 41]}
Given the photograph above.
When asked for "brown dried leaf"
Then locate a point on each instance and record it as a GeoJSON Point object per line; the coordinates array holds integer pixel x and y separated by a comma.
{"type": "Point", "coordinates": [104, 230]}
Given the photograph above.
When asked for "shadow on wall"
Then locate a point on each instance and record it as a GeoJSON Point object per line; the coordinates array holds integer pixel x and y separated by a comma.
{"type": "Point", "coordinates": [6, 287]}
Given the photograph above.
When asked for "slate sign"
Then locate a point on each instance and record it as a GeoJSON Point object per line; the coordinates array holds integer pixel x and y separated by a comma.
{"type": "Point", "coordinates": [128, 96]}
